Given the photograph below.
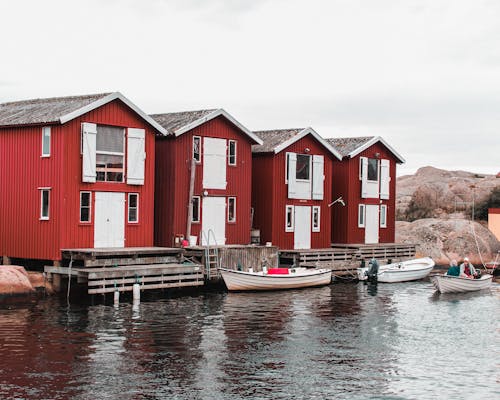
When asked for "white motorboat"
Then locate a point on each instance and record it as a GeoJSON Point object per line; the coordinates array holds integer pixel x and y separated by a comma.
{"type": "Point", "coordinates": [410, 270]}
{"type": "Point", "coordinates": [275, 278]}
{"type": "Point", "coordinates": [455, 284]}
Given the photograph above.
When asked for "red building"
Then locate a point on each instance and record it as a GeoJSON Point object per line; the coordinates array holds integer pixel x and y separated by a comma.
{"type": "Point", "coordinates": [290, 193]}
{"type": "Point", "coordinates": [364, 185]}
{"type": "Point", "coordinates": [203, 178]}
{"type": "Point", "coordinates": [75, 172]}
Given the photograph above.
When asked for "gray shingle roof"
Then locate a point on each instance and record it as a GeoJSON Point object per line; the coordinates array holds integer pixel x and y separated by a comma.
{"type": "Point", "coordinates": [173, 121]}
{"type": "Point", "coordinates": [43, 111]}
{"type": "Point", "coordinates": [274, 138]}
{"type": "Point", "coordinates": [347, 145]}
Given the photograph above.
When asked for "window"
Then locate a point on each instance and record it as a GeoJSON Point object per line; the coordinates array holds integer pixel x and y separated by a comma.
{"type": "Point", "coordinates": [85, 206]}
{"type": "Point", "coordinates": [372, 169]}
{"type": "Point", "coordinates": [133, 207]}
{"type": "Point", "coordinates": [361, 216]}
{"type": "Point", "coordinates": [44, 203]}
{"type": "Point", "coordinates": [231, 159]}
{"type": "Point", "coordinates": [231, 209]}
{"type": "Point", "coordinates": [196, 209]}
{"type": "Point", "coordinates": [289, 222]}
{"type": "Point", "coordinates": [109, 153]}
{"type": "Point", "coordinates": [316, 216]}
{"type": "Point", "coordinates": [303, 171]}
{"type": "Point", "coordinates": [46, 141]}
{"type": "Point", "coordinates": [197, 148]}
{"type": "Point", "coordinates": [383, 216]}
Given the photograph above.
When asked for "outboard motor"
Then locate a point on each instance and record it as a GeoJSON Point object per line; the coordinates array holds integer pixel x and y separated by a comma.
{"type": "Point", "coordinates": [372, 271]}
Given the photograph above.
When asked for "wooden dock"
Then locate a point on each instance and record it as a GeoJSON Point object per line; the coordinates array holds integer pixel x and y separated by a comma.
{"type": "Point", "coordinates": [108, 269]}
{"type": "Point", "coordinates": [345, 259]}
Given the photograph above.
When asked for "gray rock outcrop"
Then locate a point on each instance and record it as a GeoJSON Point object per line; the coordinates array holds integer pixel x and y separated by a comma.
{"type": "Point", "coordinates": [447, 239]}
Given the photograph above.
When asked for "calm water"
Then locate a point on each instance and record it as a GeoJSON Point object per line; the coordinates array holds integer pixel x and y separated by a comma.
{"type": "Point", "coordinates": [399, 341]}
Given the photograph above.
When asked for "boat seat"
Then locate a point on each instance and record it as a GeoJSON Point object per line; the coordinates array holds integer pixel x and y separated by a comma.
{"type": "Point", "coordinates": [278, 271]}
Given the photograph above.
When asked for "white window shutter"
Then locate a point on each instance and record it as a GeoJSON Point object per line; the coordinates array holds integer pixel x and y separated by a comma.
{"type": "Point", "coordinates": [89, 135]}
{"type": "Point", "coordinates": [384, 179]}
{"type": "Point", "coordinates": [364, 176]}
{"type": "Point", "coordinates": [136, 156]}
{"type": "Point", "coordinates": [292, 175]}
{"type": "Point", "coordinates": [318, 177]}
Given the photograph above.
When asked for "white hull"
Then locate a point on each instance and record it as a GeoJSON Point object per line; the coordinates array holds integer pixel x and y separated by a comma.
{"type": "Point", "coordinates": [410, 270]}
{"type": "Point", "coordinates": [301, 278]}
{"type": "Point", "coordinates": [455, 284]}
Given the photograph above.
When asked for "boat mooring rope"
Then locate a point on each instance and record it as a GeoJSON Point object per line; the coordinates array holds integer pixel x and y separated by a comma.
{"type": "Point", "coordinates": [477, 244]}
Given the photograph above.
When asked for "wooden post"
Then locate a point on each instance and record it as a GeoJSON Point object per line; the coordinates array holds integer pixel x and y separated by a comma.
{"type": "Point", "coordinates": [190, 199]}
{"type": "Point", "coordinates": [6, 260]}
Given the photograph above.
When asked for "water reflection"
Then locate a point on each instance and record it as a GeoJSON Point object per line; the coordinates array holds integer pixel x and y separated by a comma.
{"type": "Point", "coordinates": [339, 341]}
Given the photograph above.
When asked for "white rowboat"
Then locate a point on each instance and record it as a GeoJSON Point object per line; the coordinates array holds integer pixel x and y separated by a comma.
{"type": "Point", "coordinates": [410, 270]}
{"type": "Point", "coordinates": [275, 278]}
{"type": "Point", "coordinates": [456, 284]}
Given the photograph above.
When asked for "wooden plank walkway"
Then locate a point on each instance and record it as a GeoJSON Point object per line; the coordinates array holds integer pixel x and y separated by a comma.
{"type": "Point", "coordinates": [122, 278]}
{"type": "Point", "coordinates": [343, 260]}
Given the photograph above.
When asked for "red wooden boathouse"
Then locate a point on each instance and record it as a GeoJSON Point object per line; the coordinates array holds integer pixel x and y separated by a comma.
{"type": "Point", "coordinates": [203, 178]}
{"type": "Point", "coordinates": [75, 172]}
{"type": "Point", "coordinates": [364, 185]}
{"type": "Point", "coordinates": [290, 193]}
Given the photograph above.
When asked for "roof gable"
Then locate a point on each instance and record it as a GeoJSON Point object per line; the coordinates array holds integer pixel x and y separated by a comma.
{"type": "Point", "coordinates": [352, 146]}
{"type": "Point", "coordinates": [277, 140]}
{"type": "Point", "coordinates": [178, 123]}
{"type": "Point", "coordinates": [59, 110]}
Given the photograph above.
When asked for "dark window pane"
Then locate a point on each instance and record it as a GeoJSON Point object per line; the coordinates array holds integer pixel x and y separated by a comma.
{"type": "Point", "coordinates": [196, 148]}
{"type": "Point", "coordinates": [109, 138]}
{"type": "Point", "coordinates": [84, 214]}
{"type": "Point", "coordinates": [132, 215]}
{"type": "Point", "coordinates": [372, 169]}
{"type": "Point", "coordinates": [196, 209]}
{"type": "Point", "coordinates": [303, 167]}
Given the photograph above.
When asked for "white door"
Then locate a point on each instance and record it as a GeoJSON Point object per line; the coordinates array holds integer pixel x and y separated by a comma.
{"type": "Point", "coordinates": [109, 217]}
{"type": "Point", "coordinates": [302, 237]}
{"type": "Point", "coordinates": [371, 224]}
{"type": "Point", "coordinates": [213, 220]}
{"type": "Point", "coordinates": [214, 163]}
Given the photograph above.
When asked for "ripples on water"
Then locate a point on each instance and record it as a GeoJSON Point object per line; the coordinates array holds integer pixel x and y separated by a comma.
{"type": "Point", "coordinates": [350, 341]}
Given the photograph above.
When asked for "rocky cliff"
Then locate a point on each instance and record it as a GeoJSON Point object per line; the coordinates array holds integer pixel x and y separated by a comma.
{"type": "Point", "coordinates": [445, 197]}
{"type": "Point", "coordinates": [445, 240]}
{"type": "Point", "coordinates": [442, 192]}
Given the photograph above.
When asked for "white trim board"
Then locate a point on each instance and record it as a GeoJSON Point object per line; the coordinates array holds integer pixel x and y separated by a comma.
{"type": "Point", "coordinates": [304, 133]}
{"type": "Point", "coordinates": [215, 114]}
{"type": "Point", "coordinates": [107, 99]}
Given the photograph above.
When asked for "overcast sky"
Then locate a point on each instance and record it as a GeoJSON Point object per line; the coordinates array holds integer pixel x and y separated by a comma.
{"type": "Point", "coordinates": [423, 74]}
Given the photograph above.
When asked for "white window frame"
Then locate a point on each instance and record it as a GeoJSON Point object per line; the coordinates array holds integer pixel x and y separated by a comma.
{"type": "Point", "coordinates": [129, 207]}
{"type": "Point", "coordinates": [89, 207]}
{"type": "Point", "coordinates": [42, 191]}
{"type": "Point", "coordinates": [309, 156]}
{"type": "Point", "coordinates": [361, 215]}
{"type": "Point", "coordinates": [196, 221]}
{"type": "Point", "coordinates": [316, 228]}
{"type": "Point", "coordinates": [112, 153]}
{"type": "Point", "coordinates": [383, 215]}
{"type": "Point", "coordinates": [228, 209]}
{"type": "Point", "coordinates": [229, 155]}
{"type": "Point", "coordinates": [49, 136]}
{"type": "Point", "coordinates": [287, 155]}
{"type": "Point", "coordinates": [292, 218]}
{"type": "Point", "coordinates": [197, 160]}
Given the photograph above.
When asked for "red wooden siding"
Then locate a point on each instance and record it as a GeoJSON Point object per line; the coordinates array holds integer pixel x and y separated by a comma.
{"type": "Point", "coordinates": [22, 171]}
{"type": "Point", "coordinates": [270, 196]}
{"type": "Point", "coordinates": [346, 183]}
{"type": "Point", "coordinates": [172, 183]}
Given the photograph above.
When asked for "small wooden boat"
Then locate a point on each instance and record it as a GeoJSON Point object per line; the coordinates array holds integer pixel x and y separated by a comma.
{"type": "Point", "coordinates": [275, 278]}
{"type": "Point", "coordinates": [410, 270]}
{"type": "Point", "coordinates": [455, 284]}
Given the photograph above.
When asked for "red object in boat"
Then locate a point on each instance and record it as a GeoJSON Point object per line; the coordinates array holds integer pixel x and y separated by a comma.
{"type": "Point", "coordinates": [277, 271]}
